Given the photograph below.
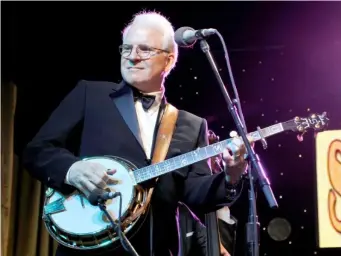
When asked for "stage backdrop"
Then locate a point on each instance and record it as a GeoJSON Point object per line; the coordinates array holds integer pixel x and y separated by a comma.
{"type": "Point", "coordinates": [22, 229]}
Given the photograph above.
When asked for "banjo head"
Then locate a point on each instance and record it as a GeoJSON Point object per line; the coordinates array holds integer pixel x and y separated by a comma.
{"type": "Point", "coordinates": [75, 223]}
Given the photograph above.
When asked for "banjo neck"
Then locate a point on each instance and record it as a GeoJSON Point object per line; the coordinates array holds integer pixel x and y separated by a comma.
{"type": "Point", "coordinates": [299, 124]}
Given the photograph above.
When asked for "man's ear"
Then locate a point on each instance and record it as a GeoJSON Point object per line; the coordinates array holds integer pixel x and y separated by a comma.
{"type": "Point", "coordinates": [169, 63]}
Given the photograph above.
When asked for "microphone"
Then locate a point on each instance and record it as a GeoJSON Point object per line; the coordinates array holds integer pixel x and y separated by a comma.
{"type": "Point", "coordinates": [97, 197]}
{"type": "Point", "coordinates": [187, 36]}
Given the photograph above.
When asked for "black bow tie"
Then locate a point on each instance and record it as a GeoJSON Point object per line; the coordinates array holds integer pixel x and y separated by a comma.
{"type": "Point", "coordinates": [146, 100]}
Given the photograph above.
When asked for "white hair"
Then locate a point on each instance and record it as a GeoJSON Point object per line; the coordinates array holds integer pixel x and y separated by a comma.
{"type": "Point", "coordinates": [159, 22]}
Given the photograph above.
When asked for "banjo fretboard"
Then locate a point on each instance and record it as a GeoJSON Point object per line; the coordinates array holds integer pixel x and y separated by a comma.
{"type": "Point", "coordinates": [169, 165]}
{"type": "Point", "coordinates": [300, 124]}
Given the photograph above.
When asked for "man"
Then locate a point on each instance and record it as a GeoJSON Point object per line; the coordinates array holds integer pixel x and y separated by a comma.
{"type": "Point", "coordinates": [115, 120]}
{"type": "Point", "coordinates": [194, 234]}
{"type": "Point", "coordinates": [226, 222]}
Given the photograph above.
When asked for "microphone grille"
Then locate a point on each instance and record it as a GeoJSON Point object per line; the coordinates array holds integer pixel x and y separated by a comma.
{"type": "Point", "coordinates": [93, 199]}
{"type": "Point", "coordinates": [94, 196]}
{"type": "Point", "coordinates": [179, 36]}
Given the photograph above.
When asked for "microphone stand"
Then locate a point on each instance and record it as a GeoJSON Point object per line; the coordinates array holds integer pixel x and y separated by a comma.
{"type": "Point", "coordinates": [252, 227]}
{"type": "Point", "coordinates": [124, 240]}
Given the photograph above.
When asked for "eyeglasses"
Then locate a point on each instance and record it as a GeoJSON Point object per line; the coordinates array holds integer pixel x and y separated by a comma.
{"type": "Point", "coordinates": [143, 51]}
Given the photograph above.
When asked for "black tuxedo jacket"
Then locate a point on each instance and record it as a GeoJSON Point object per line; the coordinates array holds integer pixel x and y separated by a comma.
{"type": "Point", "coordinates": [192, 233]}
{"type": "Point", "coordinates": [105, 115]}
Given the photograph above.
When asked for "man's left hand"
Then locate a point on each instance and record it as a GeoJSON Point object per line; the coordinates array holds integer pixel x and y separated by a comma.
{"type": "Point", "coordinates": [235, 159]}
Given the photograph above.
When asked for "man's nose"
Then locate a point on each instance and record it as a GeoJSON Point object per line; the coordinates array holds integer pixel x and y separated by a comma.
{"type": "Point", "coordinates": [134, 56]}
{"type": "Point", "coordinates": [133, 61]}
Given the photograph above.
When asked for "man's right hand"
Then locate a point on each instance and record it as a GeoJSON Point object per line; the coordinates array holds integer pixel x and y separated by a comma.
{"type": "Point", "coordinates": [88, 176]}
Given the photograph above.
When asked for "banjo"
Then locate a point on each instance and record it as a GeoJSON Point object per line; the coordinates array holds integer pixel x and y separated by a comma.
{"type": "Point", "coordinates": [75, 223]}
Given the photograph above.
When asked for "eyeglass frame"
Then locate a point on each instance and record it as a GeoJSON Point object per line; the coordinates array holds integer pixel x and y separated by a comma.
{"type": "Point", "coordinates": [152, 50]}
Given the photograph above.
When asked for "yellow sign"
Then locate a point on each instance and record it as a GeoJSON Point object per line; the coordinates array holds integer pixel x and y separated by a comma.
{"type": "Point", "coordinates": [328, 171]}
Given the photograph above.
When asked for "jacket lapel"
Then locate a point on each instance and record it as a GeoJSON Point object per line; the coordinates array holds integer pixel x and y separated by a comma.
{"type": "Point", "coordinates": [124, 101]}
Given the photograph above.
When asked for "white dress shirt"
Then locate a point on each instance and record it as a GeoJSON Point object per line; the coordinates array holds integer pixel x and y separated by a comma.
{"type": "Point", "coordinates": [147, 121]}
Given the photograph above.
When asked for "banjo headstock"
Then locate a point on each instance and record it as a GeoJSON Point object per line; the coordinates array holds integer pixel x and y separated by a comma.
{"type": "Point", "coordinates": [316, 122]}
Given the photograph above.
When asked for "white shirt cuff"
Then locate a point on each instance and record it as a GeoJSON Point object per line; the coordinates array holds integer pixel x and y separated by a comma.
{"type": "Point", "coordinates": [224, 215]}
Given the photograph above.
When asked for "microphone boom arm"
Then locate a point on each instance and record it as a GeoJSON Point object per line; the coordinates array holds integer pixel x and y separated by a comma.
{"type": "Point", "coordinates": [252, 227]}
{"type": "Point", "coordinates": [254, 159]}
